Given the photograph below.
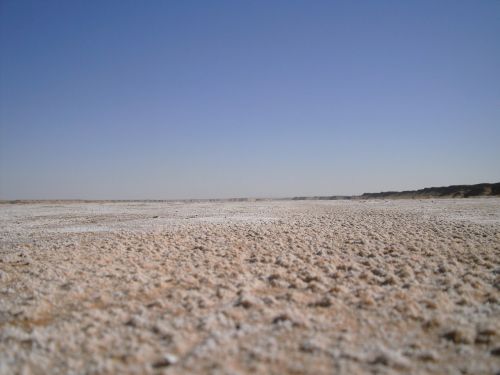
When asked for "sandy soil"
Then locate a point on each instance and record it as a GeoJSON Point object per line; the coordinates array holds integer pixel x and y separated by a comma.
{"type": "Point", "coordinates": [316, 287]}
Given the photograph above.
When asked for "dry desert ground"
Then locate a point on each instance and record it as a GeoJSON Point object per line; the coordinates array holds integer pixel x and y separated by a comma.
{"type": "Point", "coordinates": [266, 287]}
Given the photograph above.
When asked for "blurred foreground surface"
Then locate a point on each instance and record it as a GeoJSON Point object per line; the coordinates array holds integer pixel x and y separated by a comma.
{"type": "Point", "coordinates": [284, 287]}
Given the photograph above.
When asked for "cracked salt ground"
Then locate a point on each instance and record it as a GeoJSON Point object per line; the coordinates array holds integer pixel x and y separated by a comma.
{"type": "Point", "coordinates": [316, 287]}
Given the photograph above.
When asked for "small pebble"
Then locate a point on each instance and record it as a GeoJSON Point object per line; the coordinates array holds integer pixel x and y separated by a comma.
{"type": "Point", "coordinates": [167, 360]}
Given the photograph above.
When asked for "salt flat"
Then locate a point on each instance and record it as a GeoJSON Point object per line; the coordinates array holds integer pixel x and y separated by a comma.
{"type": "Point", "coordinates": [274, 287]}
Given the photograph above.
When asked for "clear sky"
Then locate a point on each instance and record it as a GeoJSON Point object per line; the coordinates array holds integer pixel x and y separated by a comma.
{"type": "Point", "coordinates": [204, 99]}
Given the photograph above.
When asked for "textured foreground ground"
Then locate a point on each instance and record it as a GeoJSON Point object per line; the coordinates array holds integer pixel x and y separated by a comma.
{"type": "Point", "coordinates": [268, 287]}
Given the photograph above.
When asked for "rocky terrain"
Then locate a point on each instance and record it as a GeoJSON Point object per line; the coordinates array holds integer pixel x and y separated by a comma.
{"type": "Point", "coordinates": [275, 287]}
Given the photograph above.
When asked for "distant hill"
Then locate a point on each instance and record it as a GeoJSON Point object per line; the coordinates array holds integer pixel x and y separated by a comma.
{"type": "Point", "coordinates": [454, 191]}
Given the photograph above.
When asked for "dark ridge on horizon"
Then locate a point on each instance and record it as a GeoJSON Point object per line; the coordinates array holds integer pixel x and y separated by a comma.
{"type": "Point", "coordinates": [452, 191]}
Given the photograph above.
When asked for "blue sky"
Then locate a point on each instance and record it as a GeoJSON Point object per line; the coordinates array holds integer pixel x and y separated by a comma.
{"type": "Point", "coordinates": [204, 99]}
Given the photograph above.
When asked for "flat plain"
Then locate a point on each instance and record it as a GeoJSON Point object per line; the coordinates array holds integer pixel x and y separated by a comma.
{"type": "Point", "coordinates": [267, 287]}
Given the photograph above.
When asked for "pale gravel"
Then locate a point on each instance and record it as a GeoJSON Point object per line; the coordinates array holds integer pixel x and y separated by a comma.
{"type": "Point", "coordinates": [274, 287]}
